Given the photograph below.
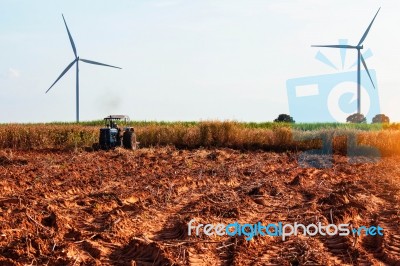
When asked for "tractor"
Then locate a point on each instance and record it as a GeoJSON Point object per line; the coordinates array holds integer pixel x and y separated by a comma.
{"type": "Point", "coordinates": [113, 135]}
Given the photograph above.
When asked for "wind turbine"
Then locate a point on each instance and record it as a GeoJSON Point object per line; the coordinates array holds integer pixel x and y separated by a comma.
{"type": "Point", "coordinates": [76, 61]}
{"type": "Point", "coordinates": [360, 59]}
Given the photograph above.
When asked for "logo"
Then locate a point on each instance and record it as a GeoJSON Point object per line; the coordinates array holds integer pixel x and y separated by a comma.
{"type": "Point", "coordinates": [333, 97]}
{"type": "Point", "coordinates": [280, 230]}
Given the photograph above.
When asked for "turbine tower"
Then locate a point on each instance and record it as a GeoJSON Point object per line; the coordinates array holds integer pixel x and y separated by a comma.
{"type": "Point", "coordinates": [76, 61]}
{"type": "Point", "coordinates": [360, 59]}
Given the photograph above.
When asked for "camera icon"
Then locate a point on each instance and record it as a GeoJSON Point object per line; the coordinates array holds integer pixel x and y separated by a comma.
{"type": "Point", "coordinates": [331, 97]}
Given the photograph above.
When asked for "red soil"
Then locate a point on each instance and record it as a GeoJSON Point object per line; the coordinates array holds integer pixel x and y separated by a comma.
{"type": "Point", "coordinates": [132, 208]}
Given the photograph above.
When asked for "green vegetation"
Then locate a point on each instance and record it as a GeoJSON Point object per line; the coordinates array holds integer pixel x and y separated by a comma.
{"type": "Point", "coordinates": [381, 118]}
{"type": "Point", "coordinates": [356, 118]}
{"type": "Point", "coordinates": [284, 118]}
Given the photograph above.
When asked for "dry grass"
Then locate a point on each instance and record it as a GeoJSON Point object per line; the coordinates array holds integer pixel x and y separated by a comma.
{"type": "Point", "coordinates": [204, 134]}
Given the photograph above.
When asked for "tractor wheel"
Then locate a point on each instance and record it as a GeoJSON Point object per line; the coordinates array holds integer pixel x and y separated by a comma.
{"type": "Point", "coordinates": [96, 146]}
{"type": "Point", "coordinates": [129, 140]}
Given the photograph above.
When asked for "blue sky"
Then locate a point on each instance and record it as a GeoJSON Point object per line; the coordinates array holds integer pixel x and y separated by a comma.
{"type": "Point", "coordinates": [181, 59]}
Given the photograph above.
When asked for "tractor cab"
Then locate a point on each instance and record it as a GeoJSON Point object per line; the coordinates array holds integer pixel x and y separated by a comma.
{"type": "Point", "coordinates": [112, 121]}
{"type": "Point", "coordinates": [117, 133]}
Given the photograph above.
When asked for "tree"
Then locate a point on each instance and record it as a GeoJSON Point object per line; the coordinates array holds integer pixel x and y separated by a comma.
{"type": "Point", "coordinates": [356, 118]}
{"type": "Point", "coordinates": [381, 118]}
{"type": "Point", "coordinates": [285, 118]}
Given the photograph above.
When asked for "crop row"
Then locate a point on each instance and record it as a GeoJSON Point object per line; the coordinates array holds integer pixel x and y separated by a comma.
{"type": "Point", "coordinates": [234, 135]}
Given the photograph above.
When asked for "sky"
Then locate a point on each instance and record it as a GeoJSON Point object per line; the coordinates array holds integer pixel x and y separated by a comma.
{"type": "Point", "coordinates": [184, 59]}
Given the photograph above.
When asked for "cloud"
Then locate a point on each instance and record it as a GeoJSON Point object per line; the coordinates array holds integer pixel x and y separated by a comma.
{"type": "Point", "coordinates": [13, 73]}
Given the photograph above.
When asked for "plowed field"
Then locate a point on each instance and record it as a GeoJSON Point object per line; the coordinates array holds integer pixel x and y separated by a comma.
{"type": "Point", "coordinates": [132, 207]}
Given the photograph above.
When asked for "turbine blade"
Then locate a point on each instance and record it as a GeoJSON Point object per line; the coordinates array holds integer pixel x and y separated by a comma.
{"type": "Point", "coordinates": [343, 51]}
{"type": "Point", "coordinates": [62, 74]}
{"type": "Point", "coordinates": [70, 38]}
{"type": "Point", "coordinates": [96, 63]}
{"type": "Point", "coordinates": [369, 27]}
{"type": "Point", "coordinates": [336, 46]}
{"type": "Point", "coordinates": [366, 55]}
{"type": "Point", "coordinates": [321, 57]}
{"type": "Point", "coordinates": [366, 68]}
